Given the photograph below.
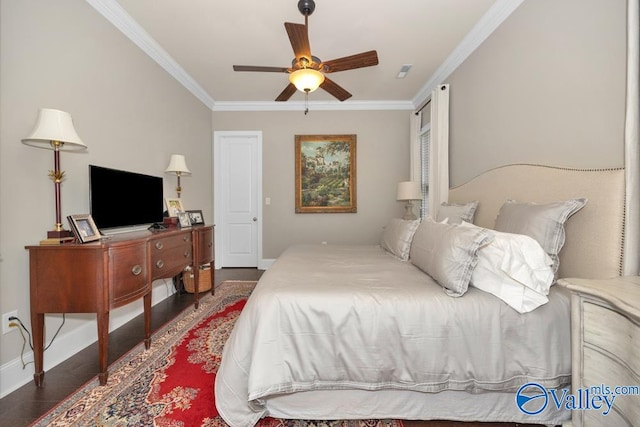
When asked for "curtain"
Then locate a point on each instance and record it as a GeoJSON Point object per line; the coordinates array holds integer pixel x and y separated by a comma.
{"type": "Point", "coordinates": [439, 149]}
{"type": "Point", "coordinates": [415, 158]}
{"type": "Point", "coordinates": [632, 150]}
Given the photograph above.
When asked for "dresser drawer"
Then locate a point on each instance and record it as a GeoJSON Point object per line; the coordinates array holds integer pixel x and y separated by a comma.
{"type": "Point", "coordinates": [604, 369]}
{"type": "Point", "coordinates": [128, 278]}
{"type": "Point", "coordinates": [170, 255]}
{"type": "Point", "coordinates": [165, 243]}
{"type": "Point", "coordinates": [614, 333]}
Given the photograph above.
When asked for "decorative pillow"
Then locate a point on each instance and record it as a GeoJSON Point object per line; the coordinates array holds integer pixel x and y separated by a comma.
{"type": "Point", "coordinates": [448, 253]}
{"type": "Point", "coordinates": [397, 235]}
{"type": "Point", "coordinates": [457, 212]}
{"type": "Point", "coordinates": [514, 268]}
{"type": "Point", "coordinates": [543, 222]}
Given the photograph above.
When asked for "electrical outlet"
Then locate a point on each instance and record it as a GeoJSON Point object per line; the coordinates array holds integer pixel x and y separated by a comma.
{"type": "Point", "coordinates": [5, 321]}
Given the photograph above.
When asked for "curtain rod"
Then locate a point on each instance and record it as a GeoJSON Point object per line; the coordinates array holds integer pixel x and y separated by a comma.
{"type": "Point", "coordinates": [428, 101]}
{"type": "Point", "coordinates": [422, 107]}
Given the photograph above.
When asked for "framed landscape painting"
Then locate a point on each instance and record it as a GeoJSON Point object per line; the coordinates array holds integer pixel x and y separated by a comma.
{"type": "Point", "coordinates": [325, 173]}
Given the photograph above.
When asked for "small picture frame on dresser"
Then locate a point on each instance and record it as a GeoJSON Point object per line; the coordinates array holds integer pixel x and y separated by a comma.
{"type": "Point", "coordinates": [183, 219]}
{"type": "Point", "coordinates": [196, 217]}
{"type": "Point", "coordinates": [84, 228]}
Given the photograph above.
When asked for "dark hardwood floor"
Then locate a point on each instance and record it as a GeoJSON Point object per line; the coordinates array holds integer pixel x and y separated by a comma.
{"type": "Point", "coordinates": [29, 402]}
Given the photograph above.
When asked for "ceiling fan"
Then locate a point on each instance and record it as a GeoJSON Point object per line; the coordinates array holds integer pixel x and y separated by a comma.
{"type": "Point", "coordinates": [307, 72]}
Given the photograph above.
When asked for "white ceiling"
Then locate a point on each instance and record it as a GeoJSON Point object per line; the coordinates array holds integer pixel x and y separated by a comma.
{"type": "Point", "coordinates": [198, 41]}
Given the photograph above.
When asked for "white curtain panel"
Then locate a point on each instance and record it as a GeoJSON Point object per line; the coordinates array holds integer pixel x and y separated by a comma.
{"type": "Point", "coordinates": [631, 265]}
{"type": "Point", "coordinates": [415, 167]}
{"type": "Point", "coordinates": [439, 149]}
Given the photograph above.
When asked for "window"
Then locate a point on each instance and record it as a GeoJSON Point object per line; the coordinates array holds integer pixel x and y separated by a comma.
{"type": "Point", "coordinates": [425, 140]}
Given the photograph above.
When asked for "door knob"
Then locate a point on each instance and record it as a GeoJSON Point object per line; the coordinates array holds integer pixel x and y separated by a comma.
{"type": "Point", "coordinates": [255, 219]}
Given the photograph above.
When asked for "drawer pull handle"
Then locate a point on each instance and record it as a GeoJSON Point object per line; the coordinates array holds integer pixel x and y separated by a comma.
{"type": "Point", "coordinates": [136, 270]}
{"type": "Point", "coordinates": [185, 238]}
{"type": "Point", "coordinates": [159, 245]}
{"type": "Point", "coordinates": [186, 254]}
{"type": "Point", "coordinates": [210, 244]}
{"type": "Point", "coordinates": [160, 263]}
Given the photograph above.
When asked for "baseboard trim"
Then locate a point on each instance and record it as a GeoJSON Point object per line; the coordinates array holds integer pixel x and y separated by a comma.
{"type": "Point", "coordinates": [13, 376]}
{"type": "Point", "coordinates": [266, 263]}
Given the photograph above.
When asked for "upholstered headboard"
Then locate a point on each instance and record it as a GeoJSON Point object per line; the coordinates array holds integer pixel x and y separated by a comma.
{"type": "Point", "coordinates": [594, 235]}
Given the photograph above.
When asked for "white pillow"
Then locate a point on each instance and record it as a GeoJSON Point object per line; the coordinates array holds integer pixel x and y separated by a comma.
{"type": "Point", "coordinates": [514, 268]}
{"type": "Point", "coordinates": [397, 236]}
{"type": "Point", "coordinates": [447, 253]}
{"type": "Point", "coordinates": [543, 222]}
{"type": "Point", "coordinates": [457, 212]}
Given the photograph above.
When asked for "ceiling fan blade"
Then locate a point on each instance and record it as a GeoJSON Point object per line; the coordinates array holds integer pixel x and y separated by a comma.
{"type": "Point", "coordinates": [359, 60]}
{"type": "Point", "coordinates": [286, 93]}
{"type": "Point", "coordinates": [335, 89]}
{"type": "Point", "coordinates": [259, 68]}
{"type": "Point", "coordinates": [299, 39]}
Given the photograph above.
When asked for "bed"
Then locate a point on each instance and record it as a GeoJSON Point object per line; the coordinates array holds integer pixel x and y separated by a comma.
{"type": "Point", "coordinates": [357, 332]}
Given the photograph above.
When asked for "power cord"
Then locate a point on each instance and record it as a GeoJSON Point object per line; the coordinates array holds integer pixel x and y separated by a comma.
{"type": "Point", "coordinates": [24, 343]}
{"type": "Point", "coordinates": [24, 339]}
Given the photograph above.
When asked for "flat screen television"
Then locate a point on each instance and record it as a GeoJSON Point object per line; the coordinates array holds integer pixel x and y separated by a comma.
{"type": "Point", "coordinates": [120, 198]}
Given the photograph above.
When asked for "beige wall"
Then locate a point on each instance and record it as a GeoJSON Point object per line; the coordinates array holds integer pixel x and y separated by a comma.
{"type": "Point", "coordinates": [130, 113]}
{"type": "Point", "coordinates": [546, 87]}
{"type": "Point", "coordinates": [382, 161]}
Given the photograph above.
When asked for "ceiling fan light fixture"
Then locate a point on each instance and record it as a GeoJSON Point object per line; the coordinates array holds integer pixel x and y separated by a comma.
{"type": "Point", "coordinates": [306, 79]}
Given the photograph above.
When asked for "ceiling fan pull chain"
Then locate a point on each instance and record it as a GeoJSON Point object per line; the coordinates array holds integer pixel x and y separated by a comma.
{"type": "Point", "coordinates": [306, 102]}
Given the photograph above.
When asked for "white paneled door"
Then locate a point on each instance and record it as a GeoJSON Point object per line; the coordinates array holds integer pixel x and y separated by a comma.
{"type": "Point", "coordinates": [237, 196]}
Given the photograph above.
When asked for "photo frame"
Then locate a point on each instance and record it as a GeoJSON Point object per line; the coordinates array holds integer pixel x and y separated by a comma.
{"type": "Point", "coordinates": [183, 219]}
{"type": "Point", "coordinates": [325, 174]}
{"type": "Point", "coordinates": [196, 217]}
{"type": "Point", "coordinates": [174, 206]}
{"type": "Point", "coordinates": [84, 228]}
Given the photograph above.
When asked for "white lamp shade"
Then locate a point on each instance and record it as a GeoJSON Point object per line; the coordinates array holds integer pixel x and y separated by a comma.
{"type": "Point", "coordinates": [54, 125]}
{"type": "Point", "coordinates": [409, 190]}
{"type": "Point", "coordinates": [306, 79]}
{"type": "Point", "coordinates": [178, 165]}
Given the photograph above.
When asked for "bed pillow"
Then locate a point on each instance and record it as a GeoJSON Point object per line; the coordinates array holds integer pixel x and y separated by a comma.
{"type": "Point", "coordinates": [543, 222]}
{"type": "Point", "coordinates": [397, 236]}
{"type": "Point", "coordinates": [448, 253]}
{"type": "Point", "coordinates": [514, 268]}
{"type": "Point", "coordinates": [457, 212]}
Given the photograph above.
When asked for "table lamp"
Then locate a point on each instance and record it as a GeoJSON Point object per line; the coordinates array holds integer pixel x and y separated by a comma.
{"type": "Point", "coordinates": [178, 166]}
{"type": "Point", "coordinates": [54, 131]}
{"type": "Point", "coordinates": [409, 191]}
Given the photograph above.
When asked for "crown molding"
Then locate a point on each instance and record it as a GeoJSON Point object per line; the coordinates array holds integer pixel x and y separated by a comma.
{"type": "Point", "coordinates": [495, 16]}
{"type": "Point", "coordinates": [313, 105]}
{"type": "Point", "coordinates": [114, 13]}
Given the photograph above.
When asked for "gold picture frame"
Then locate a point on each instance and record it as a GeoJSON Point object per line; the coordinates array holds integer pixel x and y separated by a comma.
{"type": "Point", "coordinates": [174, 206]}
{"type": "Point", "coordinates": [84, 228]}
{"type": "Point", "coordinates": [325, 174]}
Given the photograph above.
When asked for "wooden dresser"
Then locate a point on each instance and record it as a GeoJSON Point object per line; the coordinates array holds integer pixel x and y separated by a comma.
{"type": "Point", "coordinates": [605, 334]}
{"type": "Point", "coordinates": [99, 276]}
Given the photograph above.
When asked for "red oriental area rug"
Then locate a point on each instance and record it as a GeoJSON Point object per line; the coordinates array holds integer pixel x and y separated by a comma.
{"type": "Point", "coordinates": [171, 384]}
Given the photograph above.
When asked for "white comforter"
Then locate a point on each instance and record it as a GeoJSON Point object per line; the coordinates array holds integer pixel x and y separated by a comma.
{"type": "Point", "coordinates": [353, 317]}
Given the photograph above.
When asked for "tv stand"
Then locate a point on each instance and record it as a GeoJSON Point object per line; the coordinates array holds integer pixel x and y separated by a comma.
{"type": "Point", "coordinates": [99, 276]}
